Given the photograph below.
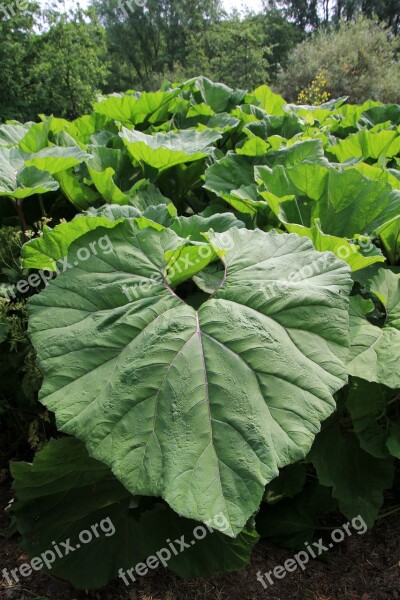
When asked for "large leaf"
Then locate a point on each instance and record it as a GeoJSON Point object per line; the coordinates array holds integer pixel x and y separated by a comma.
{"type": "Point", "coordinates": [65, 492]}
{"type": "Point", "coordinates": [375, 351]}
{"type": "Point", "coordinates": [56, 159]}
{"type": "Point", "coordinates": [368, 403]}
{"type": "Point", "coordinates": [345, 202]}
{"type": "Point", "coordinates": [165, 150]}
{"type": "Point", "coordinates": [219, 96]}
{"type": "Point", "coordinates": [345, 250]}
{"type": "Point", "coordinates": [151, 106]}
{"type": "Point", "coordinates": [111, 173]}
{"type": "Point", "coordinates": [45, 252]}
{"type": "Point", "coordinates": [358, 479]}
{"type": "Point", "coordinates": [272, 103]}
{"type": "Point", "coordinates": [366, 144]}
{"type": "Point", "coordinates": [18, 181]}
{"type": "Point", "coordinates": [193, 227]}
{"type": "Point", "coordinates": [12, 133]}
{"type": "Point", "coordinates": [231, 178]}
{"type": "Point", "coordinates": [293, 521]}
{"type": "Point", "coordinates": [199, 407]}
{"type": "Point", "coordinates": [78, 193]}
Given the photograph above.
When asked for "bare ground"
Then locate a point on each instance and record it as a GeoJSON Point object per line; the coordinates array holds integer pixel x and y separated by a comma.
{"type": "Point", "coordinates": [360, 568]}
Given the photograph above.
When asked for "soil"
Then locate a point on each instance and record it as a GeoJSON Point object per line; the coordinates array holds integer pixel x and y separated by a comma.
{"type": "Point", "coordinates": [362, 567]}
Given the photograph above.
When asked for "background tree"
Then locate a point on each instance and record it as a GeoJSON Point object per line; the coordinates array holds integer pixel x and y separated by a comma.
{"type": "Point", "coordinates": [358, 60]}
{"type": "Point", "coordinates": [280, 36]}
{"type": "Point", "coordinates": [16, 59]}
{"type": "Point", "coordinates": [73, 66]}
{"type": "Point", "coordinates": [303, 13]}
{"type": "Point", "coordinates": [144, 42]}
{"type": "Point", "coordinates": [387, 11]}
{"type": "Point", "coordinates": [232, 51]}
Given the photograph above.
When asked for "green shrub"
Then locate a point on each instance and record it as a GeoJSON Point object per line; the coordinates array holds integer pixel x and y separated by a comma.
{"type": "Point", "coordinates": [358, 59]}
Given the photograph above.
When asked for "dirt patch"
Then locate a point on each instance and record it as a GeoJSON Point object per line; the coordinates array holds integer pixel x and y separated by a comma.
{"type": "Point", "coordinates": [363, 567]}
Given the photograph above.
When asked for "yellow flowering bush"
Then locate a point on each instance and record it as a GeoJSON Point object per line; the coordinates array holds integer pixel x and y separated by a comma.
{"type": "Point", "coordinates": [316, 93]}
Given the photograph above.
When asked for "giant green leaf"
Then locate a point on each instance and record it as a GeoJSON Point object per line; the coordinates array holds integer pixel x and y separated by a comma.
{"type": "Point", "coordinates": [12, 133]}
{"type": "Point", "coordinates": [345, 202]}
{"type": "Point", "coordinates": [65, 492]}
{"type": "Point", "coordinates": [166, 150]}
{"type": "Point", "coordinates": [358, 479]}
{"type": "Point", "coordinates": [151, 106]}
{"type": "Point", "coordinates": [230, 177]}
{"type": "Point", "coordinates": [293, 521]}
{"type": "Point", "coordinates": [78, 193]}
{"type": "Point", "coordinates": [345, 250]}
{"type": "Point", "coordinates": [111, 173]}
{"type": "Point", "coordinates": [46, 251]}
{"type": "Point", "coordinates": [199, 407]}
{"type": "Point", "coordinates": [272, 103]}
{"type": "Point", "coordinates": [218, 96]}
{"type": "Point", "coordinates": [194, 226]}
{"type": "Point", "coordinates": [375, 351]}
{"type": "Point", "coordinates": [56, 159]}
{"type": "Point", "coordinates": [297, 153]}
{"type": "Point", "coordinates": [366, 144]}
{"type": "Point", "coordinates": [367, 403]}
{"type": "Point", "coordinates": [19, 181]}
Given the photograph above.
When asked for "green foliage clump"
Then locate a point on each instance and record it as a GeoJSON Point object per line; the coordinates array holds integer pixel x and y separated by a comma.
{"type": "Point", "coordinates": [221, 310]}
{"type": "Point", "coordinates": [359, 60]}
{"type": "Point", "coordinates": [233, 51]}
{"type": "Point", "coordinates": [72, 65]}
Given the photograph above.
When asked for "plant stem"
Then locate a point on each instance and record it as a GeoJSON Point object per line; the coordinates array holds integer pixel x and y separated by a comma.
{"type": "Point", "coordinates": [21, 217]}
{"type": "Point", "coordinates": [41, 204]}
{"type": "Point", "coordinates": [389, 512]}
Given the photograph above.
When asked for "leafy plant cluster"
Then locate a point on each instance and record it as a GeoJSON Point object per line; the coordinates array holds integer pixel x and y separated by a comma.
{"type": "Point", "coordinates": [235, 346]}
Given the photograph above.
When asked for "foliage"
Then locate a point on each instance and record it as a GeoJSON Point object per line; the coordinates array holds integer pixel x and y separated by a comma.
{"type": "Point", "coordinates": [56, 71]}
{"type": "Point", "coordinates": [359, 60]}
{"type": "Point", "coordinates": [233, 51]}
{"type": "Point", "coordinates": [17, 58]}
{"type": "Point", "coordinates": [145, 43]}
{"type": "Point", "coordinates": [315, 93]}
{"type": "Point", "coordinates": [198, 346]}
{"type": "Point", "coordinates": [55, 62]}
{"type": "Point", "coordinates": [71, 68]}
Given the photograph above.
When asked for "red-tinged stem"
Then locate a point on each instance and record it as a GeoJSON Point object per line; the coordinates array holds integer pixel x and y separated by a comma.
{"type": "Point", "coordinates": [21, 217]}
